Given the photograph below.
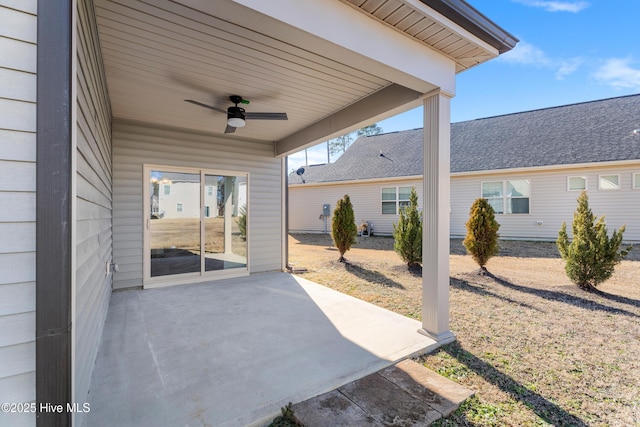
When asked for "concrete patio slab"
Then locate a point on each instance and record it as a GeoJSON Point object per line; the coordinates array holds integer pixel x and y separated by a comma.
{"type": "Point", "coordinates": [233, 352]}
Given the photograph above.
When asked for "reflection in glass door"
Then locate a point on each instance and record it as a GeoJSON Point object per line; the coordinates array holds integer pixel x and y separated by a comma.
{"type": "Point", "coordinates": [174, 228]}
{"type": "Point", "coordinates": [197, 223]}
{"type": "Point", "coordinates": [225, 240]}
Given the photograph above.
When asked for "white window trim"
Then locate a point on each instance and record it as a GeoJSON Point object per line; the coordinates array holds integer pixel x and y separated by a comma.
{"type": "Point", "coordinates": [633, 182]}
{"type": "Point", "coordinates": [504, 195]}
{"type": "Point", "coordinates": [586, 183]}
{"type": "Point", "coordinates": [609, 189]}
{"type": "Point", "coordinates": [164, 189]}
{"type": "Point", "coordinates": [179, 207]}
{"type": "Point", "coordinates": [397, 199]}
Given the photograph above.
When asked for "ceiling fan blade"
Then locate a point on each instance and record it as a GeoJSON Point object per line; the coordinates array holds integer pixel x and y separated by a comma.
{"type": "Point", "coordinates": [229, 129]}
{"type": "Point", "coordinates": [266, 116]}
{"type": "Point", "coordinates": [219, 110]}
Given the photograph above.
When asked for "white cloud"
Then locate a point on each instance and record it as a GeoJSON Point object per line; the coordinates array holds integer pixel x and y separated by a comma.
{"type": "Point", "coordinates": [619, 73]}
{"type": "Point", "coordinates": [568, 66]}
{"type": "Point", "coordinates": [557, 6]}
{"type": "Point", "coordinates": [528, 54]}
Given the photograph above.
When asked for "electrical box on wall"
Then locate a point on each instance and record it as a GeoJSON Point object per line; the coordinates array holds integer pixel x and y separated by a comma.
{"type": "Point", "coordinates": [326, 210]}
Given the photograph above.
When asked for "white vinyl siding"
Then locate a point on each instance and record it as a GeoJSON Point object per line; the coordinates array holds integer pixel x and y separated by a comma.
{"type": "Point", "coordinates": [18, 27]}
{"type": "Point", "coordinates": [576, 183]}
{"type": "Point", "coordinates": [551, 205]}
{"type": "Point", "coordinates": [548, 194]}
{"type": "Point", "coordinates": [609, 182]}
{"type": "Point", "coordinates": [305, 204]}
{"type": "Point", "coordinates": [135, 145]}
{"type": "Point", "coordinates": [93, 203]}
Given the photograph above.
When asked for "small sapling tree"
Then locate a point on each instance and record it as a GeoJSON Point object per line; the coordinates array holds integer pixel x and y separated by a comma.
{"type": "Point", "coordinates": [591, 256]}
{"type": "Point", "coordinates": [343, 226]}
{"type": "Point", "coordinates": [481, 240]}
{"type": "Point", "coordinates": [407, 234]}
{"type": "Point", "coordinates": [241, 220]}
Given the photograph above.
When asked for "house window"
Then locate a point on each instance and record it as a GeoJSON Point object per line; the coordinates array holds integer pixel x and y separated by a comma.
{"type": "Point", "coordinates": [166, 189]}
{"type": "Point", "coordinates": [394, 199]}
{"type": "Point", "coordinates": [507, 197]}
{"type": "Point", "coordinates": [636, 181]}
{"type": "Point", "coordinates": [210, 190]}
{"type": "Point", "coordinates": [576, 183]}
{"type": "Point", "coordinates": [178, 207]}
{"type": "Point", "coordinates": [609, 182]}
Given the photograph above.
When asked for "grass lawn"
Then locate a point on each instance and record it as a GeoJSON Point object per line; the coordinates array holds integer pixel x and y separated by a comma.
{"type": "Point", "coordinates": [535, 349]}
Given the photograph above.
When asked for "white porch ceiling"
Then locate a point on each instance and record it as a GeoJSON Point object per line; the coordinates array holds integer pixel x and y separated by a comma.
{"type": "Point", "coordinates": [157, 53]}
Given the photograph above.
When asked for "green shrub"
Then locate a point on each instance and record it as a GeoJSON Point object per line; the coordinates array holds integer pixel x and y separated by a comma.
{"type": "Point", "coordinates": [343, 226]}
{"type": "Point", "coordinates": [590, 258]}
{"type": "Point", "coordinates": [481, 240]}
{"type": "Point", "coordinates": [407, 234]}
{"type": "Point", "coordinates": [287, 419]}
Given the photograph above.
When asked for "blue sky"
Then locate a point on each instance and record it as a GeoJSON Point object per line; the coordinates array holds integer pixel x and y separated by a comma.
{"type": "Point", "coordinates": [569, 51]}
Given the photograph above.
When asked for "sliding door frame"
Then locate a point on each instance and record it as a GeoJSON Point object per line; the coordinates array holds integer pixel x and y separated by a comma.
{"type": "Point", "coordinates": [185, 278]}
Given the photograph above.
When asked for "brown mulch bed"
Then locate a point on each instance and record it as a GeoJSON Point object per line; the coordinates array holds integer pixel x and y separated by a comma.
{"type": "Point", "coordinates": [536, 349]}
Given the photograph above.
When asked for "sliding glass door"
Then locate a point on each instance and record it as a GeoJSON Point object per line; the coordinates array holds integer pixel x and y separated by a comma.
{"type": "Point", "coordinates": [197, 222]}
{"type": "Point", "coordinates": [225, 242]}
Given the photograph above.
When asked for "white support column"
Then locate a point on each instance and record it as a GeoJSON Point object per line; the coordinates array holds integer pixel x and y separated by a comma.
{"type": "Point", "coordinates": [435, 238]}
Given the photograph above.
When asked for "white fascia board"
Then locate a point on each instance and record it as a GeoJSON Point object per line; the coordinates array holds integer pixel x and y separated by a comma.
{"type": "Point", "coordinates": [456, 28]}
{"type": "Point", "coordinates": [358, 181]}
{"type": "Point", "coordinates": [614, 163]}
{"type": "Point", "coordinates": [338, 31]}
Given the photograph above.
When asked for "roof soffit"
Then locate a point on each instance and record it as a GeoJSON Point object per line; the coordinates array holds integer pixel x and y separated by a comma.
{"type": "Point", "coordinates": [451, 27]}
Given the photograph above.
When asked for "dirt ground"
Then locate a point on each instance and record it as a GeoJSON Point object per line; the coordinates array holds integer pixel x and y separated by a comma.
{"type": "Point", "coordinates": [184, 233]}
{"type": "Point", "coordinates": [536, 349]}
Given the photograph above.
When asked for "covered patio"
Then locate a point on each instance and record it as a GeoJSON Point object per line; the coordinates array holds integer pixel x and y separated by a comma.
{"type": "Point", "coordinates": [135, 128]}
{"type": "Point", "coordinates": [234, 352]}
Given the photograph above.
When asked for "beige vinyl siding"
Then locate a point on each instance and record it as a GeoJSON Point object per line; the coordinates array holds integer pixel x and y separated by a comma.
{"type": "Point", "coordinates": [552, 203]}
{"type": "Point", "coordinates": [93, 203]}
{"type": "Point", "coordinates": [305, 204]}
{"type": "Point", "coordinates": [18, 27]}
{"type": "Point", "coordinates": [136, 144]}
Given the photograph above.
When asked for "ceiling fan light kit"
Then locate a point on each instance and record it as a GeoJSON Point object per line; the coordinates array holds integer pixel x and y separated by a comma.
{"type": "Point", "coordinates": [237, 116]}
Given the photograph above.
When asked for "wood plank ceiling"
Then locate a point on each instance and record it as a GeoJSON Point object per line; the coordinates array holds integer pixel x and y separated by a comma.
{"type": "Point", "coordinates": [158, 53]}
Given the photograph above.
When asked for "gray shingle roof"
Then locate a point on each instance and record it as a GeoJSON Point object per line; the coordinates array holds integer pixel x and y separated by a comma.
{"type": "Point", "coordinates": [589, 132]}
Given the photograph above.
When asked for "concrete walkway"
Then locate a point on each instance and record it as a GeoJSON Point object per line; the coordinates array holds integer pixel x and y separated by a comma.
{"type": "Point", "coordinates": [406, 394]}
{"type": "Point", "coordinates": [233, 352]}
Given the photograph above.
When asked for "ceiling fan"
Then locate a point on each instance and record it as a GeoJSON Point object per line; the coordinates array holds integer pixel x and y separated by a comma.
{"type": "Point", "coordinates": [237, 116]}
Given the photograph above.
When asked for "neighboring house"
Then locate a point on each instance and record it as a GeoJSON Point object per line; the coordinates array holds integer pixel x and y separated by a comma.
{"type": "Point", "coordinates": [95, 104]}
{"type": "Point", "coordinates": [531, 166]}
{"type": "Point", "coordinates": [177, 195]}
